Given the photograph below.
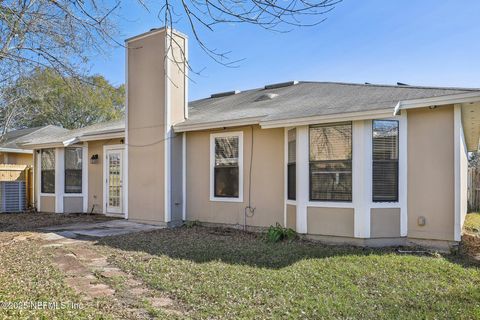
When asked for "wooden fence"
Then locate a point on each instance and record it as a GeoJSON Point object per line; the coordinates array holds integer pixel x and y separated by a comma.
{"type": "Point", "coordinates": [19, 173]}
{"type": "Point", "coordinates": [473, 190]}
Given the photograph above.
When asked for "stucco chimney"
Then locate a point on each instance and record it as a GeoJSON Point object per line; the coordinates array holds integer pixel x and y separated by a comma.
{"type": "Point", "coordinates": [157, 90]}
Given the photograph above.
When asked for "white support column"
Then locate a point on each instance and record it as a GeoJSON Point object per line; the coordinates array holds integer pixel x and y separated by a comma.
{"type": "Point", "coordinates": [59, 179]}
{"type": "Point", "coordinates": [85, 176]}
{"type": "Point", "coordinates": [184, 176]}
{"type": "Point", "coordinates": [38, 173]}
{"type": "Point", "coordinates": [302, 182]}
{"type": "Point", "coordinates": [168, 132]}
{"type": "Point", "coordinates": [402, 173]}
{"type": "Point", "coordinates": [459, 181]}
{"type": "Point", "coordinates": [361, 176]}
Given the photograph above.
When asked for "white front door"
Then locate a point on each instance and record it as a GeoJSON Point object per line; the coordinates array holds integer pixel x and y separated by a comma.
{"type": "Point", "coordinates": [114, 181]}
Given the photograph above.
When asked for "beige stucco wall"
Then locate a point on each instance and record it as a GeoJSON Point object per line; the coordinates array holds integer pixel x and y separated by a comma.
{"type": "Point", "coordinates": [47, 203]}
{"type": "Point", "coordinates": [385, 222]}
{"type": "Point", "coordinates": [291, 217]}
{"type": "Point", "coordinates": [267, 179]}
{"type": "Point", "coordinates": [330, 221]}
{"type": "Point", "coordinates": [431, 173]}
{"type": "Point", "coordinates": [95, 174]}
{"type": "Point", "coordinates": [72, 204]}
{"type": "Point", "coordinates": [146, 128]}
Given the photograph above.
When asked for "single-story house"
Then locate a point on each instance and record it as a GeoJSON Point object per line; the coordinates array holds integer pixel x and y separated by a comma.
{"type": "Point", "coordinates": [351, 163]}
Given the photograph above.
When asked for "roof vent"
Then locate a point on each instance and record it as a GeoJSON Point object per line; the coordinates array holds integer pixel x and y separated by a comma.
{"type": "Point", "coordinates": [280, 85]}
{"type": "Point", "coordinates": [224, 94]}
{"type": "Point", "coordinates": [266, 96]}
{"type": "Point", "coordinates": [401, 84]}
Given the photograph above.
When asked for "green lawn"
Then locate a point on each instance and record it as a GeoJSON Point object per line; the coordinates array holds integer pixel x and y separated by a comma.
{"type": "Point", "coordinates": [472, 222]}
{"type": "Point", "coordinates": [231, 275]}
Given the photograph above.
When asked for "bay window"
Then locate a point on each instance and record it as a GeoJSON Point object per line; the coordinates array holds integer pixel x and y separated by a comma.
{"type": "Point", "coordinates": [291, 165]}
{"type": "Point", "coordinates": [73, 170]}
{"type": "Point", "coordinates": [385, 160]}
{"type": "Point", "coordinates": [331, 162]}
{"type": "Point", "coordinates": [47, 160]}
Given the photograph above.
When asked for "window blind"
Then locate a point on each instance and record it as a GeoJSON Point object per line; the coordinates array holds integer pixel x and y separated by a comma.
{"type": "Point", "coordinates": [47, 170]}
{"type": "Point", "coordinates": [73, 170]}
{"type": "Point", "coordinates": [385, 160]}
{"type": "Point", "coordinates": [331, 162]}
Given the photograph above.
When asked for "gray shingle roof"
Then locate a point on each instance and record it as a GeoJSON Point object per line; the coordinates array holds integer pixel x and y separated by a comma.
{"type": "Point", "coordinates": [307, 99]}
{"type": "Point", "coordinates": [14, 139]}
{"type": "Point", "coordinates": [65, 135]}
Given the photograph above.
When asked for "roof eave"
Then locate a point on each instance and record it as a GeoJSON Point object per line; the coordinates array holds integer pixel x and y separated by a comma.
{"type": "Point", "coordinates": [16, 150]}
{"type": "Point", "coordinates": [338, 117]}
{"type": "Point", "coordinates": [217, 124]}
{"type": "Point", "coordinates": [439, 100]}
{"type": "Point", "coordinates": [103, 136]}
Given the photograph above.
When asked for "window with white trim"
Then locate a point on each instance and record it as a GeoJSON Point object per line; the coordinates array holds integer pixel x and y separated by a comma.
{"type": "Point", "coordinates": [385, 160]}
{"type": "Point", "coordinates": [291, 164]}
{"type": "Point", "coordinates": [47, 164]}
{"type": "Point", "coordinates": [73, 170]}
{"type": "Point", "coordinates": [227, 165]}
{"type": "Point", "coordinates": [331, 162]}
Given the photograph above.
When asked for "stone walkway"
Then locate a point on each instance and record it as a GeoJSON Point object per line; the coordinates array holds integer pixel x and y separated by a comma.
{"type": "Point", "coordinates": [89, 272]}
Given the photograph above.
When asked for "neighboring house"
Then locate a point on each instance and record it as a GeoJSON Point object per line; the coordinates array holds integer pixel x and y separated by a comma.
{"type": "Point", "coordinates": [350, 163]}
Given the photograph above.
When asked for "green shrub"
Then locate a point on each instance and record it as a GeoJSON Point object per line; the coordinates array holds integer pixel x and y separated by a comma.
{"type": "Point", "coordinates": [278, 233]}
{"type": "Point", "coordinates": [191, 224]}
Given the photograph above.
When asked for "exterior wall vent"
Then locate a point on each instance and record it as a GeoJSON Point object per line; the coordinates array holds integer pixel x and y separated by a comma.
{"type": "Point", "coordinates": [280, 85]}
{"type": "Point", "coordinates": [224, 94]}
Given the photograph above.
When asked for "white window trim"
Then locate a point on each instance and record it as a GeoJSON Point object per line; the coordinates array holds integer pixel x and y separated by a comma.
{"type": "Point", "coordinates": [238, 134]}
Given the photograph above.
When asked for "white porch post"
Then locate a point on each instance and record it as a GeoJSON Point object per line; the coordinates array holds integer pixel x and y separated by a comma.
{"type": "Point", "coordinates": [402, 173]}
{"type": "Point", "coordinates": [59, 178]}
{"type": "Point", "coordinates": [361, 176]}
{"type": "Point", "coordinates": [302, 182]}
{"type": "Point", "coordinates": [85, 162]}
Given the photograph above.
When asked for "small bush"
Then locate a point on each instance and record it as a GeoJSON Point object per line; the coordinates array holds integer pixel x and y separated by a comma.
{"type": "Point", "coordinates": [278, 233]}
{"type": "Point", "coordinates": [191, 224]}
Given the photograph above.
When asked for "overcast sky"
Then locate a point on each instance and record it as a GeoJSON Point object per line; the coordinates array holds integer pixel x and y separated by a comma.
{"type": "Point", "coordinates": [428, 42]}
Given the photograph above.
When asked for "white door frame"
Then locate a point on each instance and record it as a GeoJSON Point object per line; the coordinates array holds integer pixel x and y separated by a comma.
{"type": "Point", "coordinates": [106, 149]}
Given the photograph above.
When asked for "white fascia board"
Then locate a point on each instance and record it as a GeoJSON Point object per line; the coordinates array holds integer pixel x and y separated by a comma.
{"type": "Point", "coordinates": [339, 117]}
{"type": "Point", "coordinates": [69, 142]}
{"type": "Point", "coordinates": [44, 145]}
{"type": "Point", "coordinates": [217, 124]}
{"type": "Point", "coordinates": [441, 100]}
{"type": "Point", "coordinates": [14, 150]}
{"type": "Point", "coordinates": [104, 136]}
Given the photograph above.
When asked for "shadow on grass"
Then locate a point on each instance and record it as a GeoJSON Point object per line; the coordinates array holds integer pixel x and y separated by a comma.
{"type": "Point", "coordinates": [24, 222]}
{"type": "Point", "coordinates": [204, 244]}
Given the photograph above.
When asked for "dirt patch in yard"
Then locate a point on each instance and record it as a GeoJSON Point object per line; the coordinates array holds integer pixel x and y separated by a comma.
{"type": "Point", "coordinates": [33, 221]}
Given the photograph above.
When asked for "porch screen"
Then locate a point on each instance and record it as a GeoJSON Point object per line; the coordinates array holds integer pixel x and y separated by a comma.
{"type": "Point", "coordinates": [385, 160]}
{"type": "Point", "coordinates": [331, 162]}
{"type": "Point", "coordinates": [47, 170]}
{"type": "Point", "coordinates": [291, 166]}
{"type": "Point", "coordinates": [73, 170]}
{"type": "Point", "coordinates": [226, 168]}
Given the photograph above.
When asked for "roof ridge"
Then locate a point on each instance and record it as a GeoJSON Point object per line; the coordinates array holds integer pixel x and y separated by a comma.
{"type": "Point", "coordinates": [391, 85]}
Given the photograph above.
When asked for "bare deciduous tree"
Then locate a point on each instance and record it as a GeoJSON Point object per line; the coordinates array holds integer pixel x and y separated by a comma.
{"type": "Point", "coordinates": [62, 34]}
